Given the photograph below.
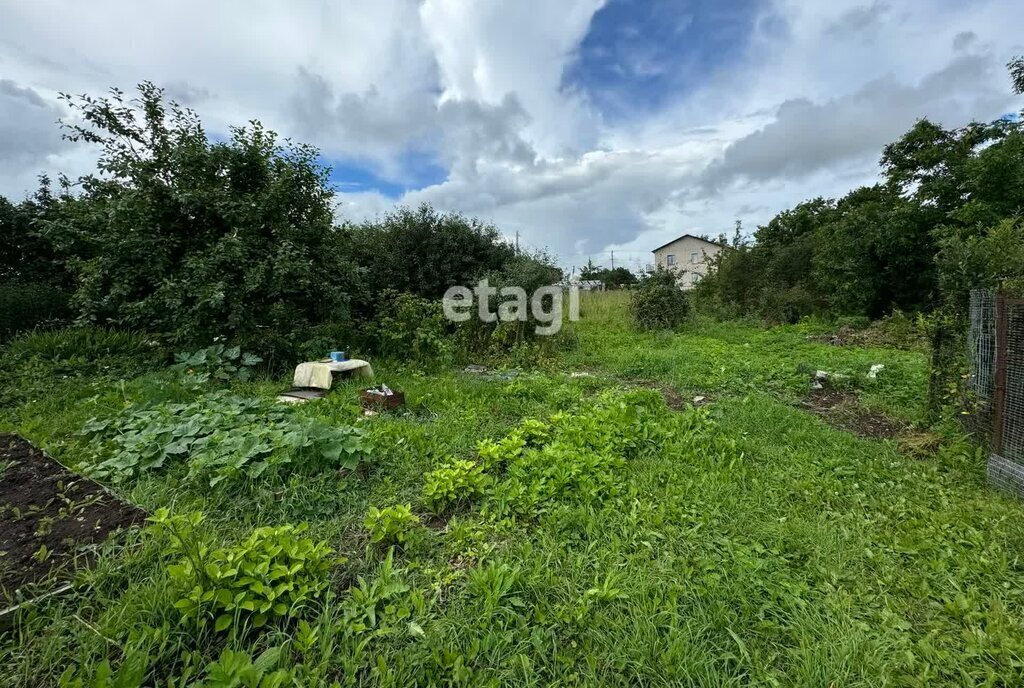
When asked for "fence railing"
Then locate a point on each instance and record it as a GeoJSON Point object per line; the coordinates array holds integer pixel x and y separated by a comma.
{"type": "Point", "coordinates": [996, 353]}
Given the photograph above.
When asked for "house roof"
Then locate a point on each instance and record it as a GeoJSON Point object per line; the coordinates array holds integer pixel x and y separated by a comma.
{"type": "Point", "coordinates": [691, 236]}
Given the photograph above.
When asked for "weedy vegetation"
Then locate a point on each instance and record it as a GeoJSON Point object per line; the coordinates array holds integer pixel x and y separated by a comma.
{"type": "Point", "coordinates": [534, 528]}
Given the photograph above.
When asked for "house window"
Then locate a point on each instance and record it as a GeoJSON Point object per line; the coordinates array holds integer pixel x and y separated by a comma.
{"type": "Point", "coordinates": [694, 278]}
{"type": "Point", "coordinates": [693, 257]}
{"type": "Point", "coordinates": [670, 259]}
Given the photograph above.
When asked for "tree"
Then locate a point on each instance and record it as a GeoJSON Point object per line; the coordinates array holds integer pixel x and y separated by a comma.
{"type": "Point", "coordinates": [1016, 67]}
{"type": "Point", "coordinates": [424, 252]}
{"type": "Point", "coordinates": [612, 278]}
{"type": "Point", "coordinates": [192, 238]}
{"type": "Point", "coordinates": [590, 271]}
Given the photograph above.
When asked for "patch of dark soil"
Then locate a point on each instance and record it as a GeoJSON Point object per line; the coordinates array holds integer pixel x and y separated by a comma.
{"type": "Point", "coordinates": [436, 521]}
{"type": "Point", "coordinates": [43, 504]}
{"type": "Point", "coordinates": [839, 409]}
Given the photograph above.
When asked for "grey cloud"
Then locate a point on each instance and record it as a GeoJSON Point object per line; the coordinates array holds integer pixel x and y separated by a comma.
{"type": "Point", "coordinates": [473, 131]}
{"type": "Point", "coordinates": [28, 127]}
{"type": "Point", "coordinates": [860, 19]}
{"type": "Point", "coordinates": [462, 132]}
{"type": "Point", "coordinates": [806, 137]}
{"type": "Point", "coordinates": [366, 121]}
{"type": "Point", "coordinates": [185, 93]}
{"type": "Point", "coordinates": [964, 40]}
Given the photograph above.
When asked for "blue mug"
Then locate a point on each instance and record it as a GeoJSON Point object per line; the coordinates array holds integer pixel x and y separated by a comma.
{"type": "Point", "coordinates": [338, 356]}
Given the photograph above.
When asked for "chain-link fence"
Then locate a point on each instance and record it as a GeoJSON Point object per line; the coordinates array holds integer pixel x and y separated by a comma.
{"type": "Point", "coordinates": [996, 383]}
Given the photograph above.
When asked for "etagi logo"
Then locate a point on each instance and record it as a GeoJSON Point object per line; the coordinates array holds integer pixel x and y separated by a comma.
{"type": "Point", "coordinates": [545, 306]}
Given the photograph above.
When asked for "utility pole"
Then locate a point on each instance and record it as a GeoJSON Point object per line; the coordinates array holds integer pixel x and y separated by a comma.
{"type": "Point", "coordinates": [613, 260]}
{"type": "Point", "coordinates": [517, 242]}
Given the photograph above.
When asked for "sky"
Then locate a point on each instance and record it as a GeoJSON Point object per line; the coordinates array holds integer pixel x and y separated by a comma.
{"type": "Point", "coordinates": [586, 126]}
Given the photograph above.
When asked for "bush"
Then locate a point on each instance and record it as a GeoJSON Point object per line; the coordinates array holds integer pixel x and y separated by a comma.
{"type": "Point", "coordinates": [273, 573]}
{"type": "Point", "coordinates": [423, 252]}
{"type": "Point", "coordinates": [193, 239]}
{"type": "Point", "coordinates": [658, 303]}
{"type": "Point", "coordinates": [25, 306]}
{"type": "Point", "coordinates": [529, 272]}
{"type": "Point", "coordinates": [409, 327]}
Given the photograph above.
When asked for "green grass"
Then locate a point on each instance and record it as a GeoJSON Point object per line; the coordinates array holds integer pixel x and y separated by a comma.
{"type": "Point", "coordinates": [766, 548]}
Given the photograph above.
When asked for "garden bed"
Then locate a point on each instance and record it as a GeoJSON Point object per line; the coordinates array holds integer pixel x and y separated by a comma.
{"type": "Point", "coordinates": [52, 518]}
{"type": "Point", "coordinates": [840, 409]}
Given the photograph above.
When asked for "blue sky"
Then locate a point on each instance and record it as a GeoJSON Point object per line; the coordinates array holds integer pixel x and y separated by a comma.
{"type": "Point", "coordinates": [584, 126]}
{"type": "Point", "coordinates": [418, 170]}
{"type": "Point", "coordinates": [639, 55]}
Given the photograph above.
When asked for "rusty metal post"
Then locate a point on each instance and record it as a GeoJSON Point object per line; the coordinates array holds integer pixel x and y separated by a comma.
{"type": "Point", "coordinates": [999, 400]}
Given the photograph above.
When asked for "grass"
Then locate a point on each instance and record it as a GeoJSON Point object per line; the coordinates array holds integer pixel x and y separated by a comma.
{"type": "Point", "coordinates": [744, 543]}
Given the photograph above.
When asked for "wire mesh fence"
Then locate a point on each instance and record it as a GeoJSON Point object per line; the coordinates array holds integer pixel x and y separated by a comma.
{"type": "Point", "coordinates": [996, 384]}
{"type": "Point", "coordinates": [981, 348]}
{"type": "Point", "coordinates": [1011, 368]}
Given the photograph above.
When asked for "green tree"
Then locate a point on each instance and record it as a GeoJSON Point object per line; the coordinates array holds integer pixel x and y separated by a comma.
{"type": "Point", "coordinates": [192, 238]}
{"type": "Point", "coordinates": [424, 252]}
{"type": "Point", "coordinates": [1016, 67]}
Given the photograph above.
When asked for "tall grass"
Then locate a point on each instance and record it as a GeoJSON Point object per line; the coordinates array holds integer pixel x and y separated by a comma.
{"type": "Point", "coordinates": [78, 342]}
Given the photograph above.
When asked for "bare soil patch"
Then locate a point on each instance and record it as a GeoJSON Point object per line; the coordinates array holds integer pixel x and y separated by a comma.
{"type": "Point", "coordinates": [45, 505]}
{"type": "Point", "coordinates": [839, 409]}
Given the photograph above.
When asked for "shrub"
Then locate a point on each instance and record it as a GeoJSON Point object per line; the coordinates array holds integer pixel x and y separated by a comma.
{"type": "Point", "coordinates": [220, 437]}
{"type": "Point", "coordinates": [409, 327]}
{"type": "Point", "coordinates": [391, 525]}
{"type": "Point", "coordinates": [529, 272]}
{"type": "Point", "coordinates": [423, 252]}
{"type": "Point", "coordinates": [273, 573]}
{"type": "Point", "coordinates": [192, 238]}
{"type": "Point", "coordinates": [457, 482]}
{"type": "Point", "coordinates": [25, 306]}
{"type": "Point", "coordinates": [658, 303]}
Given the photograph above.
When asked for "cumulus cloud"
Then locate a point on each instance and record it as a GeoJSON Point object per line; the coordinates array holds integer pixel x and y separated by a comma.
{"type": "Point", "coordinates": [805, 136]}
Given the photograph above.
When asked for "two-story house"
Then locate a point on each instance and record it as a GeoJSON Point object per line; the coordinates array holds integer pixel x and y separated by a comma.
{"type": "Point", "coordinates": [689, 256]}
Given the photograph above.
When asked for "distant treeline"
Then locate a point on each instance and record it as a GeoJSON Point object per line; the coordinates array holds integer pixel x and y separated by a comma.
{"type": "Point", "coordinates": [945, 219]}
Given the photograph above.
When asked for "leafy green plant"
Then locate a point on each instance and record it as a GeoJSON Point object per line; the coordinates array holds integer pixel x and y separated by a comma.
{"type": "Point", "coordinates": [493, 584]}
{"type": "Point", "coordinates": [217, 363]}
{"type": "Point", "coordinates": [457, 482]}
{"type": "Point", "coordinates": [574, 456]}
{"type": "Point", "coordinates": [409, 327]}
{"type": "Point", "coordinates": [391, 525]}
{"type": "Point", "coordinates": [220, 437]}
{"type": "Point", "coordinates": [130, 673]}
{"type": "Point", "coordinates": [376, 605]}
{"type": "Point", "coordinates": [235, 669]}
{"type": "Point", "coordinates": [273, 573]}
{"type": "Point", "coordinates": [657, 302]}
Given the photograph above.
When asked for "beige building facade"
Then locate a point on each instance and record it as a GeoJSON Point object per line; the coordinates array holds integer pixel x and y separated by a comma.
{"type": "Point", "coordinates": [689, 256]}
